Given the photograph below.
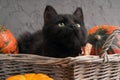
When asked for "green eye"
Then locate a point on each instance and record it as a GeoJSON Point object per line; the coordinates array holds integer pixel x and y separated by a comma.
{"type": "Point", "coordinates": [61, 24]}
{"type": "Point", "coordinates": [78, 25]}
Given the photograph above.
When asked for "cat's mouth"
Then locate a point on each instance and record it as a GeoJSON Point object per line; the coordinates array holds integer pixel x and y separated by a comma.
{"type": "Point", "coordinates": [76, 34]}
{"type": "Point", "coordinates": [75, 31]}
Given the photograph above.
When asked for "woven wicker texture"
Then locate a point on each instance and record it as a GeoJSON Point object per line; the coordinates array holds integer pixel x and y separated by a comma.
{"type": "Point", "coordinates": [78, 68]}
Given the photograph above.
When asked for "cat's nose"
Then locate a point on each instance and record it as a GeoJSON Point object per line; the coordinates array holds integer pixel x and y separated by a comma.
{"type": "Point", "coordinates": [73, 26]}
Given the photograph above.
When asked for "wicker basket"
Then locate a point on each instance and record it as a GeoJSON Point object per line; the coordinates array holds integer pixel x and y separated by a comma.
{"type": "Point", "coordinates": [70, 68]}
{"type": "Point", "coordinates": [78, 68]}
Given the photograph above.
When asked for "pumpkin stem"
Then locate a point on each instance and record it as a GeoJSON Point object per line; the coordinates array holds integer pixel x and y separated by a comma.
{"type": "Point", "coordinates": [98, 37]}
{"type": "Point", "coordinates": [2, 28]}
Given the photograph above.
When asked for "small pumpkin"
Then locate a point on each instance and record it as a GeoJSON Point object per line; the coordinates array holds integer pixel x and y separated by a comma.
{"type": "Point", "coordinates": [30, 76]}
{"type": "Point", "coordinates": [97, 36]}
{"type": "Point", "coordinates": [8, 43]}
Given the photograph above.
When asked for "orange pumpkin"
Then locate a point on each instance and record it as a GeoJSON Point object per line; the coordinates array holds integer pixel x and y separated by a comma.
{"type": "Point", "coordinates": [97, 36]}
{"type": "Point", "coordinates": [30, 76]}
{"type": "Point", "coordinates": [8, 43]}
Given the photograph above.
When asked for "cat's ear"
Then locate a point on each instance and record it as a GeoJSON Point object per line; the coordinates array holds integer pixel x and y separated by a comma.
{"type": "Point", "coordinates": [79, 13]}
{"type": "Point", "coordinates": [49, 13]}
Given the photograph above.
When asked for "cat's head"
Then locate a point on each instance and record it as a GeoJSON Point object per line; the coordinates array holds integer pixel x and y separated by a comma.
{"type": "Point", "coordinates": [65, 29]}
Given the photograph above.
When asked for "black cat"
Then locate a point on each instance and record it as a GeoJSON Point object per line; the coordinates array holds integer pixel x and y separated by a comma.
{"type": "Point", "coordinates": [63, 35]}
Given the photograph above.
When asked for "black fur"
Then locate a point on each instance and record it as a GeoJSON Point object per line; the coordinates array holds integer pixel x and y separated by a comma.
{"type": "Point", "coordinates": [63, 35]}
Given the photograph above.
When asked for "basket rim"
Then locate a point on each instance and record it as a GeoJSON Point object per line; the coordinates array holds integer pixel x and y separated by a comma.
{"type": "Point", "coordinates": [56, 61]}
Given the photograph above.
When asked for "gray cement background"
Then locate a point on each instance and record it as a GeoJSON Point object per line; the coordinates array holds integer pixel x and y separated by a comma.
{"type": "Point", "coordinates": [27, 15]}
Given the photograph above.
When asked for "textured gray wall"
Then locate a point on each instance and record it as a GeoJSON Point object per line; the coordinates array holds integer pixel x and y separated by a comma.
{"type": "Point", "coordinates": [27, 15]}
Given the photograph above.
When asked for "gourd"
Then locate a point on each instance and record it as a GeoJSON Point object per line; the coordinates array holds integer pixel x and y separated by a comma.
{"type": "Point", "coordinates": [8, 43]}
{"type": "Point", "coordinates": [97, 36]}
{"type": "Point", "coordinates": [30, 76]}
